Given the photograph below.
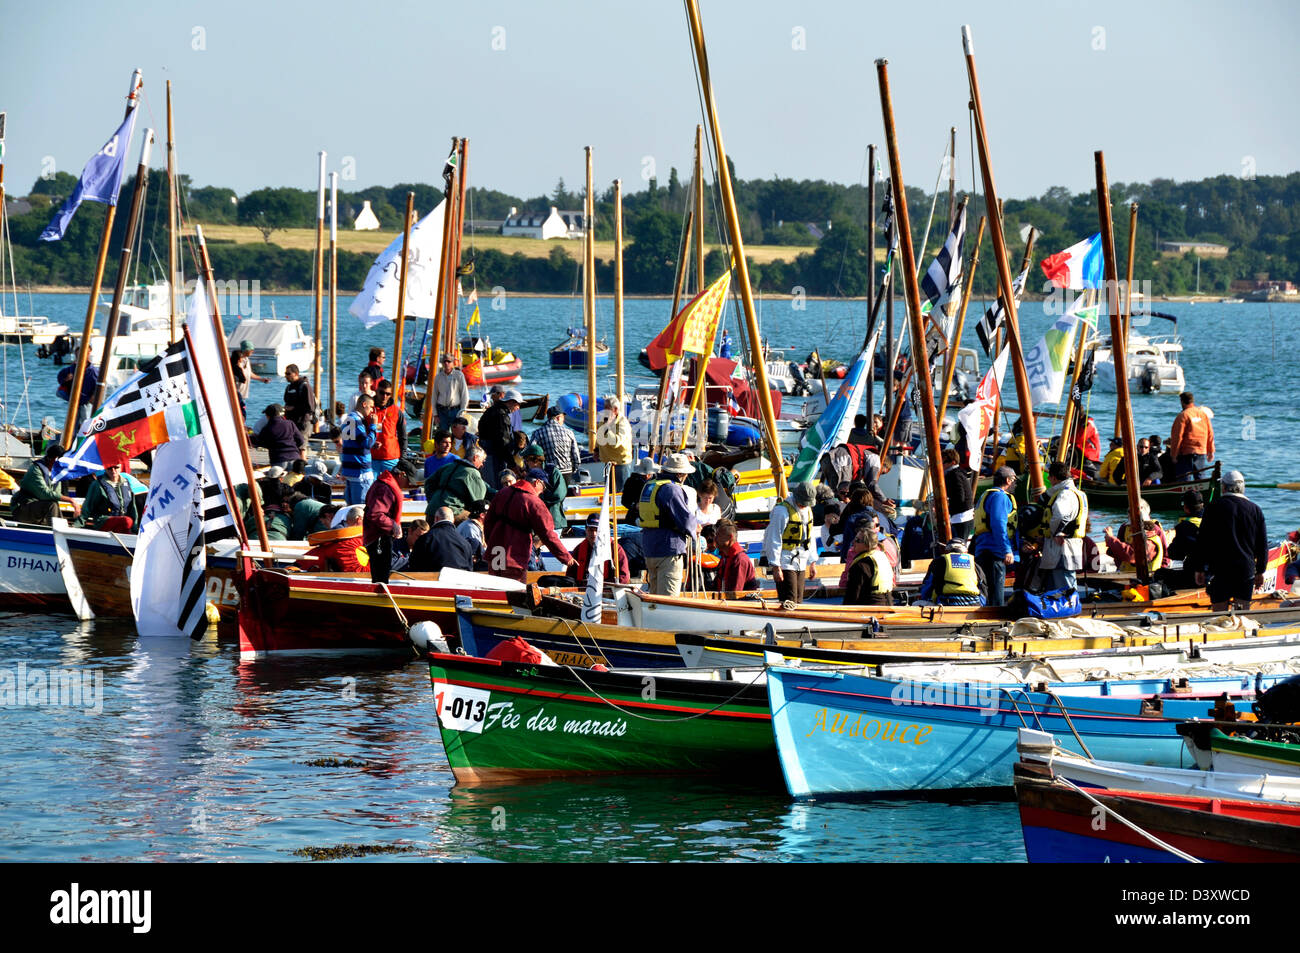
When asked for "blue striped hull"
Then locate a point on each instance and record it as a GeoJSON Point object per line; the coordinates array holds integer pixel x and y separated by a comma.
{"type": "Point", "coordinates": [848, 734]}
{"type": "Point", "coordinates": [29, 567]}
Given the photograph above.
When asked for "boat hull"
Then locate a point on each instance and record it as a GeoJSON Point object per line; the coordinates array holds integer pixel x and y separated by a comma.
{"type": "Point", "coordinates": [29, 569]}
{"type": "Point", "coordinates": [503, 721]}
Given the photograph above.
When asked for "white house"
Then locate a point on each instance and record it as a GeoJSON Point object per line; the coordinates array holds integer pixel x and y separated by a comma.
{"type": "Point", "coordinates": [555, 224]}
{"type": "Point", "coordinates": [366, 220]}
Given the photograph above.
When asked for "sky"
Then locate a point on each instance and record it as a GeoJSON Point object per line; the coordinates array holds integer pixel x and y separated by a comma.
{"type": "Point", "coordinates": [1178, 90]}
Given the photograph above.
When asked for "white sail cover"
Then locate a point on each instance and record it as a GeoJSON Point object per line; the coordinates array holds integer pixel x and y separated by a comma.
{"type": "Point", "coordinates": [378, 299]}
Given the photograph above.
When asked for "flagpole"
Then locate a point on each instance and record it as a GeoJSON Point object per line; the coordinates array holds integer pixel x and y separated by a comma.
{"type": "Point", "coordinates": [214, 312]}
{"type": "Point", "coordinates": [88, 329]}
{"type": "Point", "coordinates": [399, 378]}
{"type": "Point", "coordinates": [1137, 536]}
{"type": "Point", "coordinates": [951, 366]}
{"type": "Point", "coordinates": [871, 268]}
{"type": "Point", "coordinates": [952, 174]}
{"type": "Point", "coordinates": [334, 292]}
{"type": "Point", "coordinates": [1127, 315]}
{"type": "Point", "coordinates": [701, 360]}
{"type": "Point", "coordinates": [458, 233]}
{"type": "Point", "coordinates": [943, 531]}
{"type": "Point", "coordinates": [589, 303]}
{"type": "Point", "coordinates": [998, 238]}
{"type": "Point", "coordinates": [228, 490]}
{"type": "Point", "coordinates": [172, 233]}
{"type": "Point", "coordinates": [123, 267]}
{"type": "Point", "coordinates": [618, 291]}
{"type": "Point", "coordinates": [664, 414]}
{"type": "Point", "coordinates": [318, 273]}
{"type": "Point", "coordinates": [1070, 420]}
{"type": "Point", "coordinates": [440, 303]}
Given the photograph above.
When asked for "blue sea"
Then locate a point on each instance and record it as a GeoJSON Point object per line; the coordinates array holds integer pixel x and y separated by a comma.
{"type": "Point", "coordinates": [177, 751]}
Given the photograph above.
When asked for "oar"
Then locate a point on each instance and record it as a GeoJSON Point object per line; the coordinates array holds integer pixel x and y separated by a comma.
{"type": "Point", "coordinates": [1274, 486]}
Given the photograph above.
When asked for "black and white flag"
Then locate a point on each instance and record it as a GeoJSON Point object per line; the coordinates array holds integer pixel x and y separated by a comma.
{"type": "Point", "coordinates": [995, 315]}
{"type": "Point", "coordinates": [943, 278]}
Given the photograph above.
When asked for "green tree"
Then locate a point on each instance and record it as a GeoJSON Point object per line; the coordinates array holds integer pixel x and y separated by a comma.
{"type": "Point", "coordinates": [650, 261]}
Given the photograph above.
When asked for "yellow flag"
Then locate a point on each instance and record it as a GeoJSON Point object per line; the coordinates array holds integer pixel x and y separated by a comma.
{"type": "Point", "coordinates": [473, 321]}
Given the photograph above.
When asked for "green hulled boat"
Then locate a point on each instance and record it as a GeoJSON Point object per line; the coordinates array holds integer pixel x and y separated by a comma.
{"type": "Point", "coordinates": [1217, 750]}
{"type": "Point", "coordinates": [508, 721]}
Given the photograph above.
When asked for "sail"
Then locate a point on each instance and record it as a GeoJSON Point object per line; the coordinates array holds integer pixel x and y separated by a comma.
{"type": "Point", "coordinates": [377, 301]}
{"type": "Point", "coordinates": [833, 426]}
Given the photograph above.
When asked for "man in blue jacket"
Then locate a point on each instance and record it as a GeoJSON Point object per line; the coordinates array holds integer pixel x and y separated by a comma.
{"type": "Point", "coordinates": [359, 431]}
{"type": "Point", "coordinates": [994, 542]}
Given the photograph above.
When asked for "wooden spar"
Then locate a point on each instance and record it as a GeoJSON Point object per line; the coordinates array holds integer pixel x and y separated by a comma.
{"type": "Point", "coordinates": [663, 416]}
{"type": "Point", "coordinates": [1127, 315]}
{"type": "Point", "coordinates": [702, 360]}
{"type": "Point", "coordinates": [173, 236]}
{"type": "Point", "coordinates": [891, 359]}
{"type": "Point", "coordinates": [123, 268]}
{"type": "Point", "coordinates": [1070, 420]}
{"type": "Point", "coordinates": [398, 375]}
{"type": "Point", "coordinates": [88, 329]}
{"type": "Point", "coordinates": [618, 291]}
{"type": "Point", "coordinates": [738, 254]}
{"type": "Point", "coordinates": [318, 272]}
{"type": "Point", "coordinates": [952, 177]}
{"type": "Point", "coordinates": [1137, 536]}
{"type": "Point", "coordinates": [998, 237]}
{"type": "Point", "coordinates": [871, 260]}
{"type": "Point", "coordinates": [231, 501]}
{"type": "Point", "coordinates": [440, 303]}
{"type": "Point", "coordinates": [453, 279]}
{"type": "Point", "coordinates": [951, 366]}
{"type": "Point", "coordinates": [334, 294]}
{"type": "Point", "coordinates": [912, 288]}
{"type": "Point", "coordinates": [254, 493]}
{"type": "Point", "coordinates": [589, 300]}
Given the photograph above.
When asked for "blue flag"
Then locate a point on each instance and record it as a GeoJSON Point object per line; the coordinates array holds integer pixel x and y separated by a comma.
{"type": "Point", "coordinates": [100, 181]}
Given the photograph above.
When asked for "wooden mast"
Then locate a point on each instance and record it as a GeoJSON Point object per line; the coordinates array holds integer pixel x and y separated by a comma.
{"type": "Point", "coordinates": [254, 493]}
{"type": "Point", "coordinates": [951, 366]}
{"type": "Point", "coordinates": [318, 272]}
{"type": "Point", "coordinates": [871, 270]}
{"type": "Point", "coordinates": [1127, 314]}
{"type": "Point", "coordinates": [399, 377]}
{"type": "Point", "coordinates": [88, 329]}
{"type": "Point", "coordinates": [453, 279]}
{"type": "Point", "coordinates": [589, 299]}
{"type": "Point", "coordinates": [911, 287]}
{"type": "Point", "coordinates": [1023, 398]}
{"type": "Point", "coordinates": [334, 291]}
{"type": "Point", "coordinates": [1070, 421]}
{"type": "Point", "coordinates": [663, 416]}
{"type": "Point", "coordinates": [123, 268]}
{"type": "Point", "coordinates": [1119, 353]}
{"type": "Point", "coordinates": [173, 236]}
{"type": "Point", "coordinates": [738, 255]}
{"type": "Point", "coordinates": [618, 291]}
{"type": "Point", "coordinates": [701, 360]}
{"type": "Point", "coordinates": [440, 303]}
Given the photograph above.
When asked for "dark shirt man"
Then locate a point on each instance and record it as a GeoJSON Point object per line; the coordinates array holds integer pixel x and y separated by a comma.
{"type": "Point", "coordinates": [442, 547]}
{"type": "Point", "coordinates": [282, 438]}
{"type": "Point", "coordinates": [382, 522]}
{"type": "Point", "coordinates": [1232, 551]}
{"type": "Point", "coordinates": [300, 407]}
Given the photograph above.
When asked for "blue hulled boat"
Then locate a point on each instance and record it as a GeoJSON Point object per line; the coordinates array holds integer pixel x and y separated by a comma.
{"type": "Point", "coordinates": [573, 353]}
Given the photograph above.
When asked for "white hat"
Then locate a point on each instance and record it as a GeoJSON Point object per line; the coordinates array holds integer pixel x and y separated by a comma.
{"type": "Point", "coordinates": [646, 466]}
{"type": "Point", "coordinates": [514, 395]}
{"type": "Point", "coordinates": [273, 472]}
{"type": "Point", "coordinates": [677, 463]}
{"type": "Point", "coordinates": [342, 516]}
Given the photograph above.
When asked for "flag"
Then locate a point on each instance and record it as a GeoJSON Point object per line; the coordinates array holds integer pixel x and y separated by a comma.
{"type": "Point", "coordinates": [153, 407]}
{"type": "Point", "coordinates": [219, 427]}
{"type": "Point", "coordinates": [1078, 267]}
{"type": "Point", "coordinates": [100, 181]}
{"type": "Point", "coordinates": [472, 298]}
{"type": "Point", "coordinates": [994, 316]}
{"type": "Point", "coordinates": [1046, 361]}
{"type": "Point", "coordinates": [473, 321]}
{"type": "Point", "coordinates": [449, 167]}
{"type": "Point", "coordinates": [168, 590]}
{"type": "Point", "coordinates": [377, 301]}
{"type": "Point", "coordinates": [976, 418]}
{"type": "Point", "coordinates": [944, 274]}
{"type": "Point", "coordinates": [692, 330]}
{"type": "Point", "coordinates": [834, 423]}
{"type": "Point", "coordinates": [593, 598]}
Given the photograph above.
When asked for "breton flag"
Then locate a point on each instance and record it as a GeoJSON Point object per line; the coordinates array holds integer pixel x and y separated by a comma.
{"type": "Point", "coordinates": [151, 408]}
{"type": "Point", "coordinates": [693, 329]}
{"type": "Point", "coordinates": [377, 301]}
{"type": "Point", "coordinates": [995, 315]}
{"type": "Point", "coordinates": [101, 179]}
{"type": "Point", "coordinates": [944, 275]}
{"type": "Point", "coordinates": [976, 418]}
{"type": "Point", "coordinates": [1078, 267]}
{"type": "Point", "coordinates": [593, 598]}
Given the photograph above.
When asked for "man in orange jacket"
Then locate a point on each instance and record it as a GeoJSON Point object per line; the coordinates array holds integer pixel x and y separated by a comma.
{"type": "Point", "coordinates": [1191, 441]}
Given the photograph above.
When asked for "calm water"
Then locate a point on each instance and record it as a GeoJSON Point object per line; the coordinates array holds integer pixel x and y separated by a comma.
{"type": "Point", "coordinates": [195, 756]}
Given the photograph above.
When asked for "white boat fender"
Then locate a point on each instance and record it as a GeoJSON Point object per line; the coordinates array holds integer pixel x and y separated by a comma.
{"type": "Point", "coordinates": [427, 637]}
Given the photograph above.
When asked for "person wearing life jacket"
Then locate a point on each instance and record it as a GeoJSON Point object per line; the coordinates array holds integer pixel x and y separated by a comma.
{"type": "Point", "coordinates": [338, 549]}
{"type": "Point", "coordinates": [788, 543]}
{"type": "Point", "coordinates": [1013, 455]}
{"type": "Point", "coordinates": [577, 571]}
{"type": "Point", "coordinates": [1155, 547]}
{"type": "Point", "coordinates": [1188, 530]}
{"type": "Point", "coordinates": [390, 437]}
{"type": "Point", "coordinates": [994, 544]}
{"type": "Point", "coordinates": [1112, 468]}
{"type": "Point", "coordinates": [1065, 524]}
{"type": "Point", "coordinates": [110, 504]}
{"type": "Point", "coordinates": [870, 579]}
{"type": "Point", "coordinates": [665, 514]}
{"type": "Point", "coordinates": [1088, 442]}
{"type": "Point", "coordinates": [953, 578]}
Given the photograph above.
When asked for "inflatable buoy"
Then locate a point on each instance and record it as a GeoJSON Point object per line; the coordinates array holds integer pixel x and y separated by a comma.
{"type": "Point", "coordinates": [427, 637]}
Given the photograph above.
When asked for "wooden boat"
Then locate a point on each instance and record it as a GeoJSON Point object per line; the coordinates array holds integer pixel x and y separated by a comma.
{"type": "Point", "coordinates": [573, 353]}
{"type": "Point", "coordinates": [30, 578]}
{"type": "Point", "coordinates": [1167, 497]}
{"type": "Point", "coordinates": [839, 733]}
{"type": "Point", "coordinates": [506, 721]}
{"type": "Point", "coordinates": [1062, 824]}
{"type": "Point", "coordinates": [1036, 747]}
{"type": "Point", "coordinates": [1216, 750]}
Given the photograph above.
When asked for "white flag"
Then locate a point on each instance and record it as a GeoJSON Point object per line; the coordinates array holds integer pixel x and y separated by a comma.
{"type": "Point", "coordinates": [593, 598]}
{"type": "Point", "coordinates": [168, 595]}
{"type": "Point", "coordinates": [378, 299]}
{"type": "Point", "coordinates": [976, 418]}
{"type": "Point", "coordinates": [1046, 361]}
